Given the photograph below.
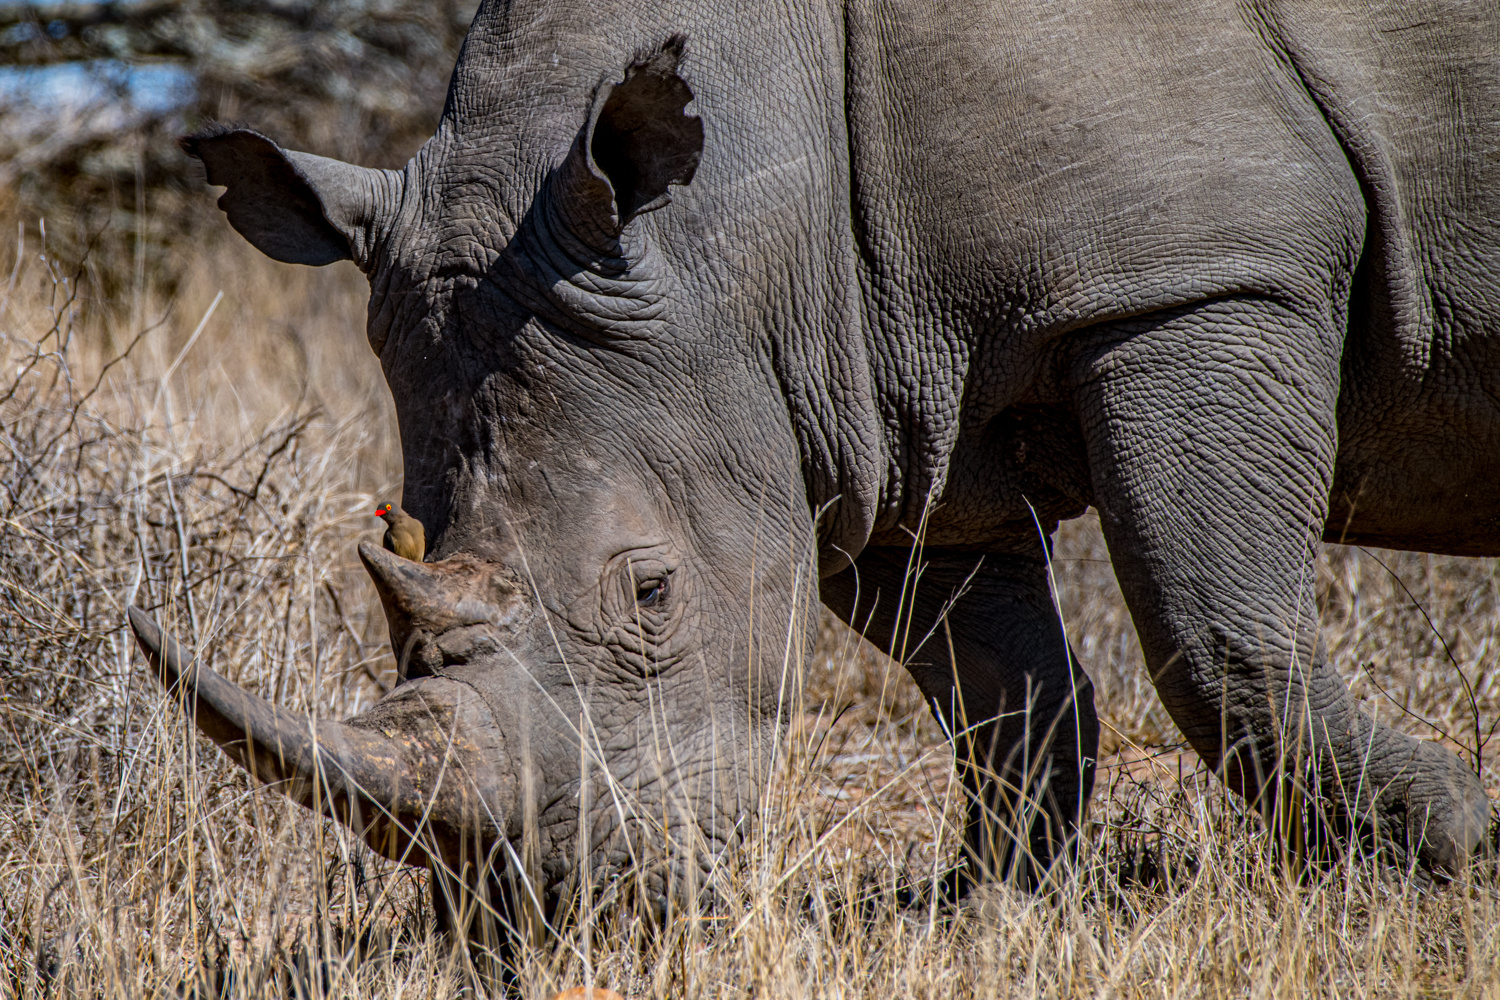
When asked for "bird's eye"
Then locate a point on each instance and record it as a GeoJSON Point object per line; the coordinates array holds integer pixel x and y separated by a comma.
{"type": "Point", "coordinates": [650, 592]}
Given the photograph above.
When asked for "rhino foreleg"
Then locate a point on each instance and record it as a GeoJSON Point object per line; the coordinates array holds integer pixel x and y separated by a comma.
{"type": "Point", "coordinates": [980, 635]}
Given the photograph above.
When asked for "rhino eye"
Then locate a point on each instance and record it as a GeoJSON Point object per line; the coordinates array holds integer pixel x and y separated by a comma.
{"type": "Point", "coordinates": [649, 593]}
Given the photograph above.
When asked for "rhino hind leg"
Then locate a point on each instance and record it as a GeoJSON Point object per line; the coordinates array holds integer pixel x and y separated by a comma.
{"type": "Point", "coordinates": [979, 634]}
{"type": "Point", "coordinates": [1211, 441]}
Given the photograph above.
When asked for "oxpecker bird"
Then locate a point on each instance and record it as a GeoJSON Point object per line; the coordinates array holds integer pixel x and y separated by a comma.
{"type": "Point", "coordinates": [404, 535]}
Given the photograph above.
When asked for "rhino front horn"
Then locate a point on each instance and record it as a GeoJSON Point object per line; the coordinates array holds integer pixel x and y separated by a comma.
{"type": "Point", "coordinates": [416, 772]}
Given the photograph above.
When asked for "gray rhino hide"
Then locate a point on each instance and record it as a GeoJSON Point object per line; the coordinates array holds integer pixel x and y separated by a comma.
{"type": "Point", "coordinates": [690, 309]}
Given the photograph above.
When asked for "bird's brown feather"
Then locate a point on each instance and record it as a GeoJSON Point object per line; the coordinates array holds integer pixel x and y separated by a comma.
{"type": "Point", "coordinates": [405, 535]}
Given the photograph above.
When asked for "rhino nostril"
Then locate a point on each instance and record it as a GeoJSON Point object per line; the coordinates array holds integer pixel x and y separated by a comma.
{"type": "Point", "coordinates": [463, 645]}
{"type": "Point", "coordinates": [420, 657]}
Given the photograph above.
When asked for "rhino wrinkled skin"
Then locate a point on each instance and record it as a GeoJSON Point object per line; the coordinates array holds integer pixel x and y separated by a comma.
{"type": "Point", "coordinates": [688, 309]}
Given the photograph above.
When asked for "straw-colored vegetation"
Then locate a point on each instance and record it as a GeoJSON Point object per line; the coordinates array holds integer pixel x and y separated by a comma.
{"type": "Point", "coordinates": [217, 456]}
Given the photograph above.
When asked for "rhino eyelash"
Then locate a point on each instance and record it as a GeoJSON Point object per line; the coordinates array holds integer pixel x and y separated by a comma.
{"type": "Point", "coordinates": [649, 593]}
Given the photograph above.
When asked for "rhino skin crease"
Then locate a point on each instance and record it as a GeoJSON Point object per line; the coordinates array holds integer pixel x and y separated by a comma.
{"type": "Point", "coordinates": [686, 306]}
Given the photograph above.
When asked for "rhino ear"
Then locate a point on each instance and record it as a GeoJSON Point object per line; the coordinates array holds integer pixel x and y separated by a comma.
{"type": "Point", "coordinates": [295, 207]}
{"type": "Point", "coordinates": [637, 142]}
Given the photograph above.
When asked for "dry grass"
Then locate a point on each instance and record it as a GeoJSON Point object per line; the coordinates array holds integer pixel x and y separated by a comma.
{"type": "Point", "coordinates": [222, 479]}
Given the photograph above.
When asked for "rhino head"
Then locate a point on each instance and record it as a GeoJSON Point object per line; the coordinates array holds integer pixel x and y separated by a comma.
{"type": "Point", "coordinates": [601, 333]}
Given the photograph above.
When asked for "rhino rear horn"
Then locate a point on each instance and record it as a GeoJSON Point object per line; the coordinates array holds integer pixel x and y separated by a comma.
{"type": "Point", "coordinates": [435, 597]}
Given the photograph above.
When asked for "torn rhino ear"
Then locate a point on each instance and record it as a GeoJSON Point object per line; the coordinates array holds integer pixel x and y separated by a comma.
{"type": "Point", "coordinates": [636, 144]}
{"type": "Point", "coordinates": [295, 207]}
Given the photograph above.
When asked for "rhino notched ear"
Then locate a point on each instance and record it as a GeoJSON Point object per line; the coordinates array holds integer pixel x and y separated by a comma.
{"type": "Point", "coordinates": [638, 141]}
{"type": "Point", "coordinates": [641, 140]}
{"type": "Point", "coordinates": [294, 207]}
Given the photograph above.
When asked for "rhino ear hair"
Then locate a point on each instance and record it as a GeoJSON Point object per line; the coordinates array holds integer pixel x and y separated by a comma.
{"type": "Point", "coordinates": [638, 141]}
{"type": "Point", "coordinates": [295, 207]}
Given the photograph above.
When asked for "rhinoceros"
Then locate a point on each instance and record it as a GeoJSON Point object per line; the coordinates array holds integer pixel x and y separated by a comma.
{"type": "Point", "coordinates": [693, 311]}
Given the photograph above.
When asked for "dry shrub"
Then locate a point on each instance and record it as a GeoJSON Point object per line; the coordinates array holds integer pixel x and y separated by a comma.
{"type": "Point", "coordinates": [216, 466]}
